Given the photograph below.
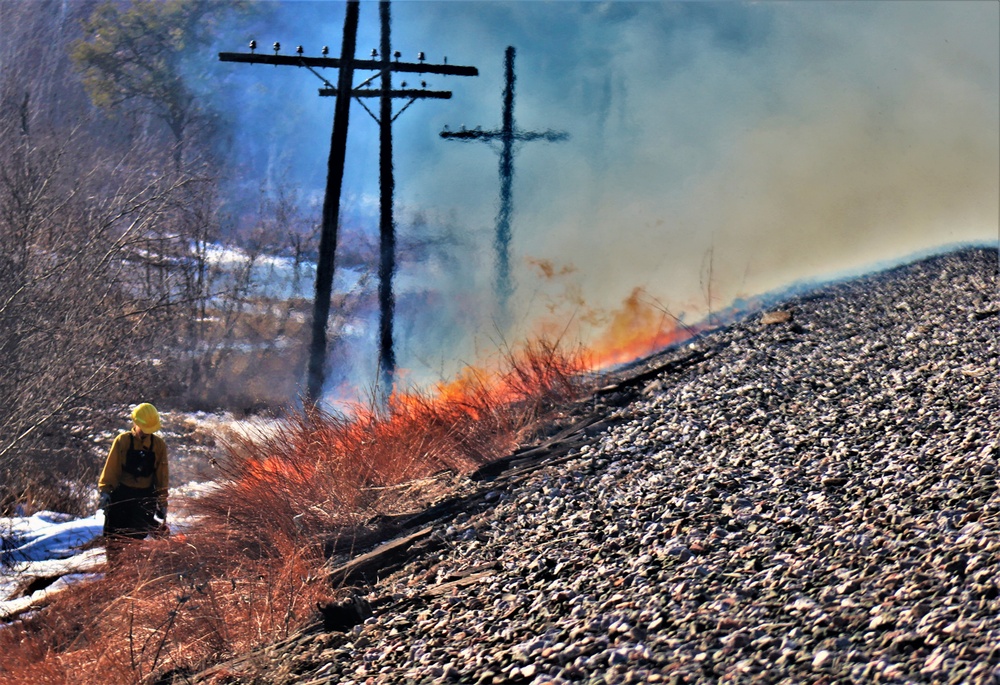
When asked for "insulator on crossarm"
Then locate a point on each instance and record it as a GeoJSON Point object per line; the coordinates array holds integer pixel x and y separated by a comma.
{"type": "Point", "coordinates": [253, 46]}
{"type": "Point", "coordinates": [276, 47]}
{"type": "Point", "coordinates": [325, 50]}
{"type": "Point", "coordinates": [298, 50]}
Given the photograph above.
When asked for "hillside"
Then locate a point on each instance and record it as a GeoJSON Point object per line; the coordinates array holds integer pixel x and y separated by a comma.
{"type": "Point", "coordinates": [808, 495]}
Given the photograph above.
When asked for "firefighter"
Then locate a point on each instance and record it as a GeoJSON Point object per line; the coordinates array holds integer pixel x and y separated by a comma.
{"type": "Point", "coordinates": [133, 485]}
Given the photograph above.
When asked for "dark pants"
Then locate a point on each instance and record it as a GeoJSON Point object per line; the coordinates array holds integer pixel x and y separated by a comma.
{"type": "Point", "coordinates": [128, 517]}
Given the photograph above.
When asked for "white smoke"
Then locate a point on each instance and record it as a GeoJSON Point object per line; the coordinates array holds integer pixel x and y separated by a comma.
{"type": "Point", "coordinates": [717, 149]}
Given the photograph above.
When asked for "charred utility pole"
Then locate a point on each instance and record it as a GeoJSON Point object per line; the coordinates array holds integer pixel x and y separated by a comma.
{"type": "Point", "coordinates": [335, 171]}
{"type": "Point", "coordinates": [508, 134]}
{"type": "Point", "coordinates": [316, 373]}
{"type": "Point", "coordinates": [387, 183]}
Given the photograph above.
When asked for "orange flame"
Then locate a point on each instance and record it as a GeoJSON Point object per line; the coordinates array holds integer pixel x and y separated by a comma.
{"type": "Point", "coordinates": [637, 328]}
{"type": "Point", "coordinates": [491, 384]}
{"type": "Point", "coordinates": [274, 470]}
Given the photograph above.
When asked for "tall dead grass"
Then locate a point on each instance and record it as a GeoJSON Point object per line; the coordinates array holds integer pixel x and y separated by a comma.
{"type": "Point", "coordinates": [326, 473]}
{"type": "Point", "coordinates": [251, 572]}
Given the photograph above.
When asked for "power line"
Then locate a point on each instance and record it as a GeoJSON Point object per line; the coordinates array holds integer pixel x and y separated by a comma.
{"type": "Point", "coordinates": [347, 64]}
{"type": "Point", "coordinates": [507, 134]}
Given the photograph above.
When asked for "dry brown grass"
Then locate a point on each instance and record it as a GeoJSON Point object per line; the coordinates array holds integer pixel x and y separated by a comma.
{"type": "Point", "coordinates": [252, 571]}
{"type": "Point", "coordinates": [174, 606]}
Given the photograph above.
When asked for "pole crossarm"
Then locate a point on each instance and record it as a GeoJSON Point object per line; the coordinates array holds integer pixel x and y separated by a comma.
{"type": "Point", "coordinates": [412, 93]}
{"type": "Point", "coordinates": [478, 134]}
{"type": "Point", "coordinates": [359, 64]}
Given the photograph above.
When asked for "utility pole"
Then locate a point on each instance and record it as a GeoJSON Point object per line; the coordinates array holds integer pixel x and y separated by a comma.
{"type": "Point", "coordinates": [507, 134]}
{"type": "Point", "coordinates": [331, 211]}
{"type": "Point", "coordinates": [335, 171]}
{"type": "Point", "coordinates": [387, 225]}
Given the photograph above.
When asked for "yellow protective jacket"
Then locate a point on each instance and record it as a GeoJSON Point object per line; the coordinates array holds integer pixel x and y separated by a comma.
{"type": "Point", "coordinates": [113, 474]}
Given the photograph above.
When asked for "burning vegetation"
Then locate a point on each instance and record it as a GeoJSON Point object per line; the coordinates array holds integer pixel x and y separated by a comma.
{"type": "Point", "coordinates": [254, 569]}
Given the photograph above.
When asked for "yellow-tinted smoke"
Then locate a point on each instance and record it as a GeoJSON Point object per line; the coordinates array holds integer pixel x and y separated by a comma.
{"type": "Point", "coordinates": [878, 137]}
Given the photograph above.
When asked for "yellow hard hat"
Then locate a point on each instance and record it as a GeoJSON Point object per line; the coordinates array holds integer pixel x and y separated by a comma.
{"type": "Point", "coordinates": [146, 417]}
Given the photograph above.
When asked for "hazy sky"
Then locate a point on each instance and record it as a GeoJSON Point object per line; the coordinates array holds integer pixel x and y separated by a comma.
{"type": "Point", "coordinates": [758, 143]}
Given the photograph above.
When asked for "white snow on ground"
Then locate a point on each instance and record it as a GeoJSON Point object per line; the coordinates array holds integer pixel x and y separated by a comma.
{"type": "Point", "coordinates": [45, 545]}
{"type": "Point", "coordinates": [221, 425]}
{"type": "Point", "coordinates": [67, 572]}
{"type": "Point", "coordinates": [46, 535]}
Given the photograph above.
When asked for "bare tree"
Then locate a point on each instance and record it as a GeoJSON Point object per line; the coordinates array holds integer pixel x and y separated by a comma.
{"type": "Point", "coordinates": [253, 313]}
{"type": "Point", "coordinates": [132, 58]}
{"type": "Point", "coordinates": [76, 322]}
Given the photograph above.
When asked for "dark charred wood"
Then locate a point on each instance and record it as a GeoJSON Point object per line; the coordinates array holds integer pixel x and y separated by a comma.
{"type": "Point", "coordinates": [370, 566]}
{"type": "Point", "coordinates": [345, 613]}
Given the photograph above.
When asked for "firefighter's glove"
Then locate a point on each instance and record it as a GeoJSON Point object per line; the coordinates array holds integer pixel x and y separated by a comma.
{"type": "Point", "coordinates": [104, 501]}
{"type": "Point", "coordinates": [161, 512]}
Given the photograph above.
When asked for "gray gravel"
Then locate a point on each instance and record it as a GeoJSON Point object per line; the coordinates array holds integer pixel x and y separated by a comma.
{"type": "Point", "coordinates": [817, 502]}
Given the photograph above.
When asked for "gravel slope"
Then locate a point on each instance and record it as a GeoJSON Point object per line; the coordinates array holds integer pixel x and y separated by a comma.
{"type": "Point", "coordinates": [816, 502]}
